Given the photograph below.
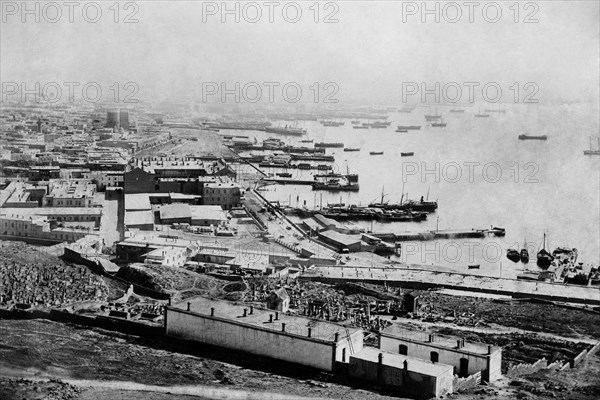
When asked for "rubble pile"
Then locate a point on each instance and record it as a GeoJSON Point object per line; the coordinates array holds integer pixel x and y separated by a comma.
{"type": "Point", "coordinates": [54, 389]}
{"type": "Point", "coordinates": [47, 284]}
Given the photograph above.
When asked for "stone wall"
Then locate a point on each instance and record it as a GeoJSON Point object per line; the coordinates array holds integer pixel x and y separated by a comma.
{"type": "Point", "coordinates": [462, 384]}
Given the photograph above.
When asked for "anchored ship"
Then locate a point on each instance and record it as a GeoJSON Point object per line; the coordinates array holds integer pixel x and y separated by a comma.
{"type": "Point", "coordinates": [287, 130]}
{"type": "Point", "coordinates": [591, 152]}
{"type": "Point", "coordinates": [533, 137]}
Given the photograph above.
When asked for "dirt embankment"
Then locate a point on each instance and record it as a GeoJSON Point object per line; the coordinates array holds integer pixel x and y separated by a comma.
{"type": "Point", "coordinates": [535, 317]}
{"type": "Point", "coordinates": [171, 280]}
{"type": "Point", "coordinates": [43, 348]}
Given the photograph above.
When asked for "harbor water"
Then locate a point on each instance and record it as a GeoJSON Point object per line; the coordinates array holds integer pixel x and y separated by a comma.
{"type": "Point", "coordinates": [481, 175]}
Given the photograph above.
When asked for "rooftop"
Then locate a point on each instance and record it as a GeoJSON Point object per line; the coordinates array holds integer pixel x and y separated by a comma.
{"type": "Point", "coordinates": [341, 238]}
{"type": "Point", "coordinates": [208, 213]}
{"type": "Point", "coordinates": [397, 360]}
{"type": "Point", "coordinates": [144, 217]}
{"type": "Point", "coordinates": [298, 325]}
{"type": "Point", "coordinates": [137, 202]}
{"type": "Point", "coordinates": [174, 211]}
{"type": "Point", "coordinates": [72, 188]}
{"type": "Point", "coordinates": [448, 342]}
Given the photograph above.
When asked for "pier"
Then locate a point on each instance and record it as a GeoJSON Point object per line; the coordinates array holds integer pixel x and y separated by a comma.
{"type": "Point", "coordinates": [286, 181]}
{"type": "Point", "coordinates": [440, 234]}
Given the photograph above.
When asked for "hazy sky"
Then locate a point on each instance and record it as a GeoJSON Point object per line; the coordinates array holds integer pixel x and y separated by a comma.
{"type": "Point", "coordinates": [368, 53]}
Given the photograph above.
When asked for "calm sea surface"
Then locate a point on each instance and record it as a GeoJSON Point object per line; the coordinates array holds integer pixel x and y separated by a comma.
{"type": "Point", "coordinates": [481, 175]}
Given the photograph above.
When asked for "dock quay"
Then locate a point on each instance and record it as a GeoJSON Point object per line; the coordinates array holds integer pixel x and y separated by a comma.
{"type": "Point", "coordinates": [285, 181]}
{"type": "Point", "coordinates": [434, 235]}
{"type": "Point", "coordinates": [415, 278]}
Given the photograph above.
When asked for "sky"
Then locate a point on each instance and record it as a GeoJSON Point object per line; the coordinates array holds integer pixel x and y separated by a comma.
{"type": "Point", "coordinates": [372, 49]}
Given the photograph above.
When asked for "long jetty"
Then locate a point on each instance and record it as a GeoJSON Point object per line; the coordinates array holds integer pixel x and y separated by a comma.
{"type": "Point", "coordinates": [416, 278]}
{"type": "Point", "coordinates": [434, 235]}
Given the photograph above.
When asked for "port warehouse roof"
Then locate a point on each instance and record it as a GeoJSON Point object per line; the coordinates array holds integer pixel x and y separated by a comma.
{"type": "Point", "coordinates": [418, 365]}
{"type": "Point", "coordinates": [346, 240]}
{"type": "Point", "coordinates": [195, 213]}
{"type": "Point", "coordinates": [298, 325]}
{"type": "Point", "coordinates": [215, 213]}
{"type": "Point", "coordinates": [137, 202]}
{"type": "Point", "coordinates": [175, 211]}
{"type": "Point", "coordinates": [326, 223]}
{"type": "Point", "coordinates": [135, 218]}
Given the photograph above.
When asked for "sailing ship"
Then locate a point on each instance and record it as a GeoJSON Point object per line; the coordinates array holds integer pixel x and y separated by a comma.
{"type": "Point", "coordinates": [544, 259]}
{"type": "Point", "coordinates": [591, 152]}
{"type": "Point", "coordinates": [422, 205]}
{"type": "Point", "coordinates": [376, 153]}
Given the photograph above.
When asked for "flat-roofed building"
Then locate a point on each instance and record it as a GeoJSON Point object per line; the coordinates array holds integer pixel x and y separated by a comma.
{"type": "Point", "coordinates": [340, 241]}
{"type": "Point", "coordinates": [404, 375]}
{"type": "Point", "coordinates": [466, 358]}
{"type": "Point", "coordinates": [225, 194]}
{"type": "Point", "coordinates": [263, 332]}
{"type": "Point", "coordinates": [166, 257]}
{"type": "Point", "coordinates": [175, 213]}
{"type": "Point", "coordinates": [71, 193]}
{"type": "Point", "coordinates": [60, 214]}
{"type": "Point", "coordinates": [137, 202]}
{"type": "Point", "coordinates": [142, 220]}
{"type": "Point", "coordinates": [35, 229]}
{"type": "Point", "coordinates": [44, 172]}
{"type": "Point", "coordinates": [207, 215]}
{"type": "Point", "coordinates": [133, 248]}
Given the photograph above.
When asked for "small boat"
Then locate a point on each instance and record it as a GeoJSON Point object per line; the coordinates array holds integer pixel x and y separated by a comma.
{"type": "Point", "coordinates": [402, 130]}
{"type": "Point", "coordinates": [591, 152]}
{"type": "Point", "coordinates": [361, 127]}
{"type": "Point", "coordinates": [480, 115]}
{"type": "Point", "coordinates": [329, 145]}
{"type": "Point", "coordinates": [498, 231]}
{"type": "Point", "coordinates": [513, 255]}
{"type": "Point", "coordinates": [501, 111]}
{"type": "Point", "coordinates": [284, 175]}
{"type": "Point", "coordinates": [524, 255]}
{"type": "Point", "coordinates": [376, 153]}
{"type": "Point", "coordinates": [533, 137]}
{"type": "Point", "coordinates": [544, 259]}
{"type": "Point", "coordinates": [410, 127]}
{"type": "Point", "coordinates": [474, 266]}
{"type": "Point", "coordinates": [351, 149]}
{"type": "Point", "coordinates": [307, 140]}
{"type": "Point", "coordinates": [440, 124]}
{"type": "Point", "coordinates": [407, 154]}
{"type": "Point", "coordinates": [434, 117]}
{"type": "Point", "coordinates": [457, 110]}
